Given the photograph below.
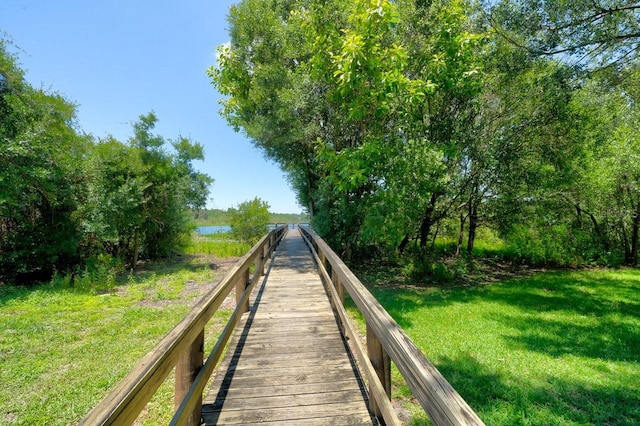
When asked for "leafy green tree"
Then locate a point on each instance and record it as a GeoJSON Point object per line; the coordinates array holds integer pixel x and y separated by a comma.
{"type": "Point", "coordinates": [270, 95]}
{"type": "Point", "coordinates": [113, 212]}
{"type": "Point", "coordinates": [395, 120]}
{"type": "Point", "coordinates": [169, 187]}
{"type": "Point", "coordinates": [557, 193]}
{"type": "Point", "coordinates": [41, 176]}
{"type": "Point", "coordinates": [249, 221]}
{"type": "Point", "coordinates": [140, 194]}
{"type": "Point", "coordinates": [606, 200]}
{"type": "Point", "coordinates": [591, 32]}
{"type": "Point", "coordinates": [65, 198]}
{"type": "Point", "coordinates": [369, 77]}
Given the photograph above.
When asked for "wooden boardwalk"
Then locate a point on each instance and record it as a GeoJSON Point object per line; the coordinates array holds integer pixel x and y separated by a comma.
{"type": "Point", "coordinates": [287, 363]}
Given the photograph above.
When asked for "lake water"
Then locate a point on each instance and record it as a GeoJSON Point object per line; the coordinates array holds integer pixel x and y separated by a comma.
{"type": "Point", "coordinates": [219, 229]}
{"type": "Point", "coordinates": [214, 229]}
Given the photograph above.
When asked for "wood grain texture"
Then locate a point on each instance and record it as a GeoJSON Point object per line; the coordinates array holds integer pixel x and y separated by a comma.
{"type": "Point", "coordinates": [287, 362]}
{"type": "Point", "coordinates": [437, 397]}
{"type": "Point", "coordinates": [129, 397]}
{"type": "Point", "coordinates": [379, 401]}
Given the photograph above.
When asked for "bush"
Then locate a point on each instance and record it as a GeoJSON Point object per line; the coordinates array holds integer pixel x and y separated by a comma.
{"type": "Point", "coordinates": [249, 221]}
{"type": "Point", "coordinates": [549, 246]}
{"type": "Point", "coordinates": [97, 275]}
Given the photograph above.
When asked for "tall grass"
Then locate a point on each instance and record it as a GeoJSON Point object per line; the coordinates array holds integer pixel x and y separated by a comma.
{"type": "Point", "coordinates": [558, 348]}
{"type": "Point", "coordinates": [219, 245]}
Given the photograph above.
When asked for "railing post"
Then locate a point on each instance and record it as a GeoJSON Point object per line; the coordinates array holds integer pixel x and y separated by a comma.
{"type": "Point", "coordinates": [259, 262]}
{"type": "Point", "coordinates": [381, 363]}
{"type": "Point", "coordinates": [337, 284]}
{"type": "Point", "coordinates": [187, 369]}
{"type": "Point", "coordinates": [241, 285]}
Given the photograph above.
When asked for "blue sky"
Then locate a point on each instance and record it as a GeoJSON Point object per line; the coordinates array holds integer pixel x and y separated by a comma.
{"type": "Point", "coordinates": [119, 59]}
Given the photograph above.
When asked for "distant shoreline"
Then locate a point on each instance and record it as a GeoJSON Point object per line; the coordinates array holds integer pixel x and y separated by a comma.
{"type": "Point", "coordinates": [217, 217]}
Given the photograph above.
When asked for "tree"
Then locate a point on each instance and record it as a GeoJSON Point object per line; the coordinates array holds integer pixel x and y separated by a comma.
{"type": "Point", "coordinates": [169, 187]}
{"type": "Point", "coordinates": [564, 183]}
{"type": "Point", "coordinates": [351, 80]}
{"type": "Point", "coordinates": [591, 32]}
{"type": "Point", "coordinates": [249, 221]}
{"type": "Point", "coordinates": [41, 177]}
{"type": "Point", "coordinates": [396, 119]}
{"type": "Point", "coordinates": [114, 210]}
{"type": "Point", "coordinates": [607, 199]}
{"type": "Point", "coordinates": [270, 95]}
{"type": "Point", "coordinates": [140, 194]}
{"type": "Point", "coordinates": [65, 197]}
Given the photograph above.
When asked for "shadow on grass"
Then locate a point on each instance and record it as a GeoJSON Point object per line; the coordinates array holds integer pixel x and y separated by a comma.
{"type": "Point", "coordinates": [583, 293]}
{"type": "Point", "coordinates": [503, 400]}
{"type": "Point", "coordinates": [587, 316]}
{"type": "Point", "coordinates": [402, 302]}
{"type": "Point", "coordinates": [556, 313]}
{"type": "Point", "coordinates": [606, 339]}
{"type": "Point", "coordinates": [591, 315]}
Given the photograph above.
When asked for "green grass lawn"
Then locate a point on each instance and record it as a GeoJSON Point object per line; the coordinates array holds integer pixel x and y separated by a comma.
{"type": "Point", "coordinates": [555, 348]}
{"type": "Point", "coordinates": [63, 349]}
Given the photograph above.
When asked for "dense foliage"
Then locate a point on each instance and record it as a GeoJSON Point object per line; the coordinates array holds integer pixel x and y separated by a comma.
{"type": "Point", "coordinates": [398, 122]}
{"type": "Point", "coordinates": [67, 199]}
{"type": "Point", "coordinates": [249, 221]}
{"type": "Point", "coordinates": [212, 217]}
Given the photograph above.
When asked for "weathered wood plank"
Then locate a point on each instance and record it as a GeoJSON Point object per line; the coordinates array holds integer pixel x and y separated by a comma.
{"type": "Point", "coordinates": [287, 363]}
{"type": "Point", "coordinates": [438, 398]}
{"type": "Point", "coordinates": [274, 336]}
{"type": "Point", "coordinates": [289, 389]}
{"type": "Point", "coordinates": [280, 414]}
{"type": "Point", "coordinates": [327, 396]}
{"type": "Point", "coordinates": [248, 378]}
{"type": "Point", "coordinates": [338, 420]}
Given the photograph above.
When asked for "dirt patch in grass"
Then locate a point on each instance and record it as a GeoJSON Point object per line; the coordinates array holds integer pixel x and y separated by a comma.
{"type": "Point", "coordinates": [193, 289]}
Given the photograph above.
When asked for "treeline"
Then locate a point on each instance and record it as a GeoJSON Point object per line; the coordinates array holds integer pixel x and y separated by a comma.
{"type": "Point", "coordinates": [68, 200]}
{"type": "Point", "coordinates": [399, 121]}
{"type": "Point", "coordinates": [203, 217]}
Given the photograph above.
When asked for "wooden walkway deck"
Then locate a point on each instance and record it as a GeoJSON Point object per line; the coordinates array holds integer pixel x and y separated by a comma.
{"type": "Point", "coordinates": [287, 363]}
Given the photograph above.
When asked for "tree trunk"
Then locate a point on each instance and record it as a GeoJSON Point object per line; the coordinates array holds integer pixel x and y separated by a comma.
{"type": "Point", "coordinates": [625, 242]}
{"type": "Point", "coordinates": [463, 219]}
{"type": "Point", "coordinates": [136, 247]}
{"type": "Point", "coordinates": [427, 221]}
{"type": "Point", "coordinates": [403, 243]}
{"type": "Point", "coordinates": [634, 236]}
{"type": "Point", "coordinates": [599, 233]}
{"type": "Point", "coordinates": [473, 226]}
{"type": "Point", "coordinates": [579, 215]}
{"type": "Point", "coordinates": [435, 235]}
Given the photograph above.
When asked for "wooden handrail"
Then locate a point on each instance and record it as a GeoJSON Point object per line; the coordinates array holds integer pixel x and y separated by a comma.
{"type": "Point", "coordinates": [182, 345]}
{"type": "Point", "coordinates": [377, 389]}
{"type": "Point", "coordinates": [436, 396]}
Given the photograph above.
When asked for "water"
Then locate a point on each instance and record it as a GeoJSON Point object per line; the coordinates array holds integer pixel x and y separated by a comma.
{"type": "Point", "coordinates": [219, 229]}
{"type": "Point", "coordinates": [214, 229]}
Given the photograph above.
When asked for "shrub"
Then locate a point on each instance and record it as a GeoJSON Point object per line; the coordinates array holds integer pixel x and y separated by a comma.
{"type": "Point", "coordinates": [249, 221]}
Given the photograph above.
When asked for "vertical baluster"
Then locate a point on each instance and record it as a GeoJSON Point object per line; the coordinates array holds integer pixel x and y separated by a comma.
{"type": "Point", "coordinates": [187, 369]}
{"type": "Point", "coordinates": [241, 285]}
{"type": "Point", "coordinates": [381, 363]}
